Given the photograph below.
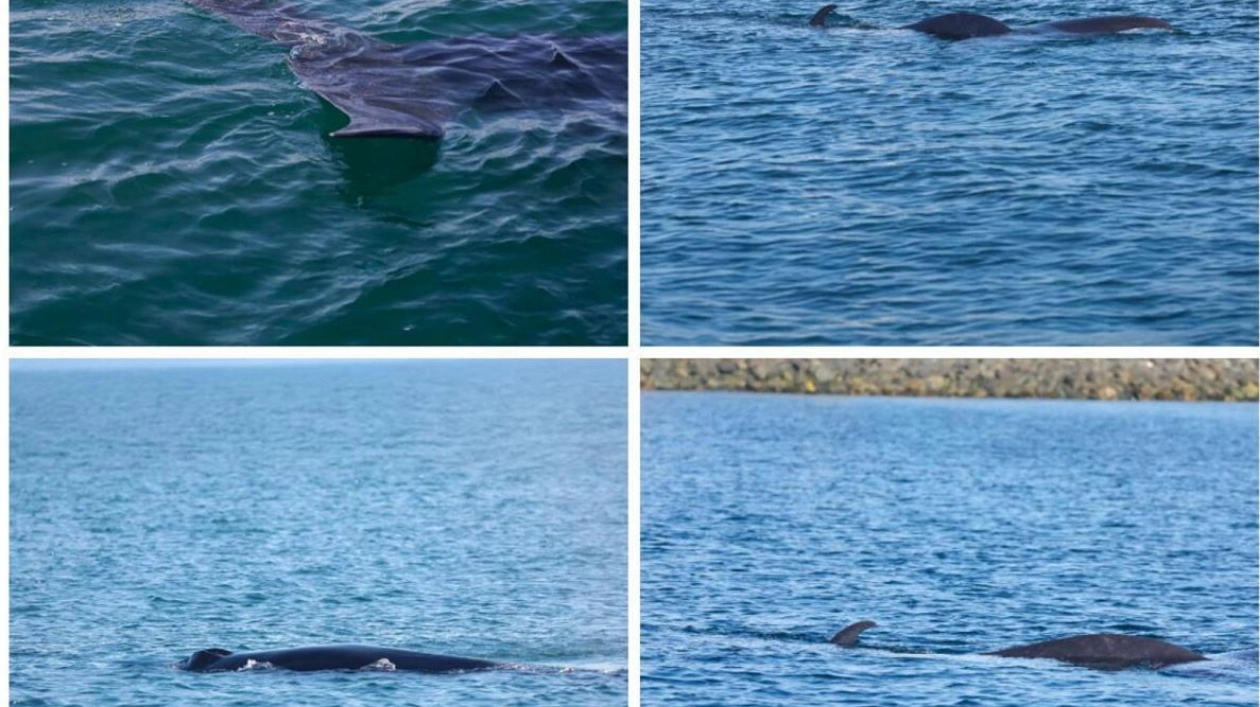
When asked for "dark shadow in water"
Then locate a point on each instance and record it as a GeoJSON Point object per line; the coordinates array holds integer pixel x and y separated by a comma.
{"type": "Point", "coordinates": [372, 166]}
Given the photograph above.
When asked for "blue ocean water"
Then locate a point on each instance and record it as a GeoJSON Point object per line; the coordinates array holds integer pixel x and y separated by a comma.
{"type": "Point", "coordinates": [861, 185]}
{"type": "Point", "coordinates": [172, 183]}
{"type": "Point", "coordinates": [772, 521]}
{"type": "Point", "coordinates": [467, 508]}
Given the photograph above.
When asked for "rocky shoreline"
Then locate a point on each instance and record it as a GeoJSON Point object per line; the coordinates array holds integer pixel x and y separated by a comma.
{"type": "Point", "coordinates": [1092, 379]}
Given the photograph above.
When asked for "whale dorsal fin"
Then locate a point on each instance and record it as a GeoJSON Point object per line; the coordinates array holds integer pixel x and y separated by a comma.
{"type": "Point", "coordinates": [848, 636]}
{"type": "Point", "coordinates": [820, 17]}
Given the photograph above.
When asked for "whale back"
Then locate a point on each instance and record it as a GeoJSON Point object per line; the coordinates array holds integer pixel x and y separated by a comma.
{"type": "Point", "coordinates": [1107, 24]}
{"type": "Point", "coordinates": [960, 25]}
{"type": "Point", "coordinates": [1108, 651]}
{"type": "Point", "coordinates": [336, 657]}
{"type": "Point", "coordinates": [1105, 651]}
{"type": "Point", "coordinates": [966, 25]}
{"type": "Point", "coordinates": [414, 90]}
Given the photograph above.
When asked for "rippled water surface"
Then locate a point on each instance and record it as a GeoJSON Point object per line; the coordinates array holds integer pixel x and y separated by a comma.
{"type": "Point", "coordinates": [769, 522]}
{"type": "Point", "coordinates": [861, 185]}
{"type": "Point", "coordinates": [472, 509]}
{"type": "Point", "coordinates": [172, 183]}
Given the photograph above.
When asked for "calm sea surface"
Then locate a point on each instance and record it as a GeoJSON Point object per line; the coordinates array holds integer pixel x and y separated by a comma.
{"type": "Point", "coordinates": [769, 522]}
{"type": "Point", "coordinates": [867, 186]}
{"type": "Point", "coordinates": [474, 509]}
{"type": "Point", "coordinates": [173, 184]}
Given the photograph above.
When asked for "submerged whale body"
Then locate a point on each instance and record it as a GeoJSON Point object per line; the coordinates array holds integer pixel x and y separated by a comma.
{"type": "Point", "coordinates": [966, 25]}
{"type": "Point", "coordinates": [213, 660]}
{"type": "Point", "coordinates": [1107, 651]}
{"type": "Point", "coordinates": [414, 90]}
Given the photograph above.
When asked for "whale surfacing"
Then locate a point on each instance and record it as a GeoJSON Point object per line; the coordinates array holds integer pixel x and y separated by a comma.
{"type": "Point", "coordinates": [967, 25]}
{"type": "Point", "coordinates": [820, 17]}
{"type": "Point", "coordinates": [414, 90]}
{"type": "Point", "coordinates": [1103, 651]}
{"type": "Point", "coordinates": [1106, 651]}
{"type": "Point", "coordinates": [1107, 24]}
{"type": "Point", "coordinates": [344, 657]}
{"type": "Point", "coordinates": [960, 25]}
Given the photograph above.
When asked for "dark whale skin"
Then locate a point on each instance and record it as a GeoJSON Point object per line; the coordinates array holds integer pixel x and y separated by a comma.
{"type": "Point", "coordinates": [960, 25]}
{"type": "Point", "coordinates": [338, 657]}
{"type": "Point", "coordinates": [1107, 651]}
{"type": "Point", "coordinates": [1106, 24]}
{"type": "Point", "coordinates": [414, 90]}
{"type": "Point", "coordinates": [968, 25]}
{"type": "Point", "coordinates": [1103, 651]}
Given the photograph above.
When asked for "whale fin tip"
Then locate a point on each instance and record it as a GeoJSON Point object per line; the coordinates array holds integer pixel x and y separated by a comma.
{"type": "Point", "coordinates": [820, 17]}
{"type": "Point", "coordinates": [847, 637]}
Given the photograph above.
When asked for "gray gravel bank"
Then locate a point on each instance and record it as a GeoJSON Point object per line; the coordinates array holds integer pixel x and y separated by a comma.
{"type": "Point", "coordinates": [1095, 379]}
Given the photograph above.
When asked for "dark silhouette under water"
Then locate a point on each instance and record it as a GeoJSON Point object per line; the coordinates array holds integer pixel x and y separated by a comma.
{"type": "Point", "coordinates": [966, 25]}
{"type": "Point", "coordinates": [414, 90]}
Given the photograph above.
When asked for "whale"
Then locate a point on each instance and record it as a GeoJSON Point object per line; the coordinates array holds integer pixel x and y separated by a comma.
{"type": "Point", "coordinates": [1103, 651]}
{"type": "Point", "coordinates": [415, 90]}
{"type": "Point", "coordinates": [338, 657]}
{"type": "Point", "coordinates": [968, 25]}
{"type": "Point", "coordinates": [1106, 651]}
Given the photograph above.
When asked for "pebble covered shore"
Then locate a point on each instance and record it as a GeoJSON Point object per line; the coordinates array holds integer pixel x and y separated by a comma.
{"type": "Point", "coordinates": [1093, 379]}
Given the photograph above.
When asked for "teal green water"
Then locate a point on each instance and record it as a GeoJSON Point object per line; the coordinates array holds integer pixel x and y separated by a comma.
{"type": "Point", "coordinates": [173, 184]}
